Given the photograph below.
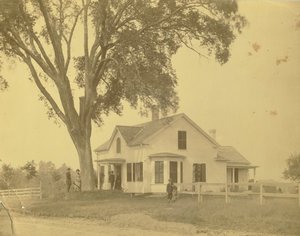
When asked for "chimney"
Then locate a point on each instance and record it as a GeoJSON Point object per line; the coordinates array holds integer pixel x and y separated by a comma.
{"type": "Point", "coordinates": [155, 112]}
{"type": "Point", "coordinates": [213, 133]}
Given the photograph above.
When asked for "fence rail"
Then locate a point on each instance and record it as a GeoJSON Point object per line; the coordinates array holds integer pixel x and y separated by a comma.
{"type": "Point", "coordinates": [22, 193]}
{"type": "Point", "coordinates": [228, 190]}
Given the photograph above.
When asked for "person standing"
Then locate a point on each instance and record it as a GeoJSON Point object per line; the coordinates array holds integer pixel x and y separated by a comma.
{"type": "Point", "coordinates": [68, 179]}
{"type": "Point", "coordinates": [112, 180]}
{"type": "Point", "coordinates": [77, 182]}
{"type": "Point", "coordinates": [174, 192]}
{"type": "Point", "coordinates": [170, 190]}
{"type": "Point", "coordinates": [118, 182]}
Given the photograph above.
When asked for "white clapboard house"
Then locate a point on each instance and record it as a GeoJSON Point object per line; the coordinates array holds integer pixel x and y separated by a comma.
{"type": "Point", "coordinates": [147, 155]}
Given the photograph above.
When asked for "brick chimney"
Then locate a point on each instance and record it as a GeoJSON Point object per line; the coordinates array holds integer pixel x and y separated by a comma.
{"type": "Point", "coordinates": [155, 112]}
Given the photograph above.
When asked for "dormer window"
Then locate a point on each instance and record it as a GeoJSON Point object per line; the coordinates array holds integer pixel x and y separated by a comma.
{"type": "Point", "coordinates": [181, 139]}
{"type": "Point", "coordinates": [118, 145]}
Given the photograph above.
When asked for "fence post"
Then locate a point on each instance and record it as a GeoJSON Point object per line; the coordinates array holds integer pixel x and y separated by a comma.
{"type": "Point", "coordinates": [200, 197]}
{"type": "Point", "coordinates": [198, 192]}
{"type": "Point", "coordinates": [261, 194]}
{"type": "Point", "coordinates": [226, 193]}
{"type": "Point", "coordinates": [299, 194]}
{"type": "Point", "coordinates": [41, 190]}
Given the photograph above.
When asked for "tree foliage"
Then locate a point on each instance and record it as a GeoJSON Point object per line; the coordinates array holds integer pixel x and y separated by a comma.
{"type": "Point", "coordinates": [127, 46]}
{"type": "Point", "coordinates": [30, 169]}
{"type": "Point", "coordinates": [292, 172]}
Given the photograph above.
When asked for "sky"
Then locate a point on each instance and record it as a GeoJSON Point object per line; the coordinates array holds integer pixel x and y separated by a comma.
{"type": "Point", "coordinates": [253, 101]}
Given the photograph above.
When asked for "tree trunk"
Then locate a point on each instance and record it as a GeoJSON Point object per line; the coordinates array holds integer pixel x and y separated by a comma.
{"type": "Point", "coordinates": [83, 147]}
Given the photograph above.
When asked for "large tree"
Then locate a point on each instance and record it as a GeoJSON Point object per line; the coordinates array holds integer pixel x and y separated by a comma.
{"type": "Point", "coordinates": [126, 50]}
{"type": "Point", "coordinates": [292, 172]}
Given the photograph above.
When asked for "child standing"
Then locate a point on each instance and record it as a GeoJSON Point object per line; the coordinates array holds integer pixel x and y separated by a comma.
{"type": "Point", "coordinates": [174, 193]}
{"type": "Point", "coordinates": [170, 190]}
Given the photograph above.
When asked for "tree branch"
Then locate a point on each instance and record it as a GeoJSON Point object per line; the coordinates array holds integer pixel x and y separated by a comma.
{"type": "Point", "coordinates": [43, 90]}
{"type": "Point", "coordinates": [119, 14]}
{"type": "Point", "coordinates": [18, 41]}
{"type": "Point", "coordinates": [54, 38]}
{"type": "Point", "coordinates": [69, 40]}
{"type": "Point", "coordinates": [38, 42]}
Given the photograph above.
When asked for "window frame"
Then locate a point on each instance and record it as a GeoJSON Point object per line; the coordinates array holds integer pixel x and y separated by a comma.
{"type": "Point", "coordinates": [201, 175]}
{"type": "Point", "coordinates": [136, 170]}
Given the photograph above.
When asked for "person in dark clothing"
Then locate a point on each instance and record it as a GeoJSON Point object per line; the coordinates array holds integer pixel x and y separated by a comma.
{"type": "Point", "coordinates": [68, 179]}
{"type": "Point", "coordinates": [118, 182]}
{"type": "Point", "coordinates": [112, 180]}
{"type": "Point", "coordinates": [170, 190]}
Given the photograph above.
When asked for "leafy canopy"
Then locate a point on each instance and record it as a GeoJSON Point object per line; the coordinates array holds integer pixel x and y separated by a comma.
{"type": "Point", "coordinates": [292, 172]}
{"type": "Point", "coordinates": [127, 48]}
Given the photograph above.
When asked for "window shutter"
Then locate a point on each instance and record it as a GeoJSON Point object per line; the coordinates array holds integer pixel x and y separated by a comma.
{"type": "Point", "coordinates": [133, 176]}
{"type": "Point", "coordinates": [129, 172]}
{"type": "Point", "coordinates": [141, 172]}
{"type": "Point", "coordinates": [181, 172]}
{"type": "Point", "coordinates": [203, 172]}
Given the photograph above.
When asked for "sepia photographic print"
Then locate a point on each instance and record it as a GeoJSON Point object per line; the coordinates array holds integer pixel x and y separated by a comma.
{"type": "Point", "coordinates": [149, 117]}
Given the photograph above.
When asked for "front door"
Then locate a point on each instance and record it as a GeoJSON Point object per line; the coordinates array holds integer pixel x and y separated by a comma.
{"type": "Point", "coordinates": [173, 171]}
{"type": "Point", "coordinates": [118, 179]}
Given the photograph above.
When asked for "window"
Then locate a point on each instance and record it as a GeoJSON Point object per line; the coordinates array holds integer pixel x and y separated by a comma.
{"type": "Point", "coordinates": [181, 139]}
{"type": "Point", "coordinates": [159, 172]}
{"type": "Point", "coordinates": [173, 171]}
{"type": "Point", "coordinates": [129, 172]}
{"type": "Point", "coordinates": [118, 145]}
{"type": "Point", "coordinates": [135, 172]}
{"type": "Point", "coordinates": [181, 172]}
{"type": "Point", "coordinates": [199, 173]}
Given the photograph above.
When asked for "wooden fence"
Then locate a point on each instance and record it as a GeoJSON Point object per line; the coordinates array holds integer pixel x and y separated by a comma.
{"type": "Point", "coordinates": [228, 190]}
{"type": "Point", "coordinates": [22, 193]}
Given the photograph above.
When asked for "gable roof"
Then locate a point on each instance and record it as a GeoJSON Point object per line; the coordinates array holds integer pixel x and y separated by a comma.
{"type": "Point", "coordinates": [129, 132]}
{"type": "Point", "coordinates": [138, 134]}
{"type": "Point", "coordinates": [231, 155]}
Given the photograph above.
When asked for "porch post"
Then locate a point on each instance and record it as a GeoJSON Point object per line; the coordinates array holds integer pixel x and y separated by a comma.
{"type": "Point", "coordinates": [98, 176]}
{"type": "Point", "coordinates": [232, 175]}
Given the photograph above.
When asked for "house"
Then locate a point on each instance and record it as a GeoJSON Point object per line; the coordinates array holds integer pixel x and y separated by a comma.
{"type": "Point", "coordinates": [146, 156]}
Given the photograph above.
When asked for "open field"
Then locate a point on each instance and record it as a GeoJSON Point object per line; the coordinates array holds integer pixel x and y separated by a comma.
{"type": "Point", "coordinates": [278, 216]}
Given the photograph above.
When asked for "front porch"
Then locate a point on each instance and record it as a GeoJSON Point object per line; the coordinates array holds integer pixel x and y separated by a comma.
{"type": "Point", "coordinates": [107, 167]}
{"type": "Point", "coordinates": [240, 174]}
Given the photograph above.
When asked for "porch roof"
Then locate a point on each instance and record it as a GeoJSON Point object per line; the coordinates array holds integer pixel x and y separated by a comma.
{"type": "Point", "coordinates": [240, 166]}
{"type": "Point", "coordinates": [166, 154]}
{"type": "Point", "coordinates": [111, 160]}
{"type": "Point", "coordinates": [230, 155]}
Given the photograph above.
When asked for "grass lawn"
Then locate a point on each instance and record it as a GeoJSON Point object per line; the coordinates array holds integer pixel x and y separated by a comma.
{"type": "Point", "coordinates": [245, 214]}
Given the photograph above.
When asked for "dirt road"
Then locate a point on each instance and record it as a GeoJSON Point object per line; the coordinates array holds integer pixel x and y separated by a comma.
{"type": "Point", "coordinates": [121, 225]}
